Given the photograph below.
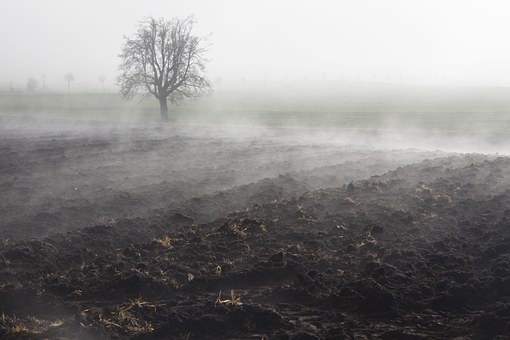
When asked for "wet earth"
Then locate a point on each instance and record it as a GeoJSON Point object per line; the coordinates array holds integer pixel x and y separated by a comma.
{"type": "Point", "coordinates": [173, 234]}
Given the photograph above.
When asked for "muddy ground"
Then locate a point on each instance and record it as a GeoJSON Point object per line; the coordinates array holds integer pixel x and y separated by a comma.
{"type": "Point", "coordinates": [193, 233]}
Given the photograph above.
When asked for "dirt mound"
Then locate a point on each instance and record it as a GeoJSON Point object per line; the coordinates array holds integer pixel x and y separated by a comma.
{"type": "Point", "coordinates": [421, 252]}
{"type": "Point", "coordinates": [68, 181]}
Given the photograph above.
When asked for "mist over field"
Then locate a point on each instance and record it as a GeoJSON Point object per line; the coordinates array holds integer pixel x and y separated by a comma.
{"type": "Point", "coordinates": [402, 69]}
{"type": "Point", "coordinates": [254, 169]}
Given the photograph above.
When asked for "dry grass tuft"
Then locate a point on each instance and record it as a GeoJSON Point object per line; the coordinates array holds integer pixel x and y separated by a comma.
{"type": "Point", "coordinates": [165, 241]}
{"type": "Point", "coordinates": [235, 300]}
{"type": "Point", "coordinates": [126, 318]}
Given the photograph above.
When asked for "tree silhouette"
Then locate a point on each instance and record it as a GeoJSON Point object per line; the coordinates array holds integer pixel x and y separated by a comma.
{"type": "Point", "coordinates": [43, 78]}
{"type": "Point", "coordinates": [101, 79]}
{"type": "Point", "coordinates": [32, 85]}
{"type": "Point", "coordinates": [69, 77]}
{"type": "Point", "coordinates": [164, 59]}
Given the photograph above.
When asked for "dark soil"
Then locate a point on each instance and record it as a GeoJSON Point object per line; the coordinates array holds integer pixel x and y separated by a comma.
{"type": "Point", "coordinates": [232, 250]}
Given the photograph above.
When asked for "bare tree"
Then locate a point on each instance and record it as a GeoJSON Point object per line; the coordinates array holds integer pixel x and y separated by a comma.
{"type": "Point", "coordinates": [43, 78]}
{"type": "Point", "coordinates": [101, 79]}
{"type": "Point", "coordinates": [164, 59]}
{"type": "Point", "coordinates": [32, 85]}
{"type": "Point", "coordinates": [69, 77]}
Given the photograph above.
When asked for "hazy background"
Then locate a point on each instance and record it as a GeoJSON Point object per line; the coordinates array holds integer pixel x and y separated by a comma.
{"type": "Point", "coordinates": [258, 43]}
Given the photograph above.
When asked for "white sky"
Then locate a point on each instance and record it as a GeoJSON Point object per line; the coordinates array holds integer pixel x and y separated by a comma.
{"type": "Point", "coordinates": [430, 41]}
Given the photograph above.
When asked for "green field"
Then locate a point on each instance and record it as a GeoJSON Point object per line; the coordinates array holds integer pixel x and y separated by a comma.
{"type": "Point", "coordinates": [437, 110]}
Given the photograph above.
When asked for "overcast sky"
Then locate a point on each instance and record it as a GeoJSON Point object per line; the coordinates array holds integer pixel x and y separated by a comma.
{"type": "Point", "coordinates": [429, 41]}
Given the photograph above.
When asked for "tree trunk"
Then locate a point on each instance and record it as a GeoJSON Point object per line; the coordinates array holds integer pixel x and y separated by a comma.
{"type": "Point", "coordinates": [163, 109]}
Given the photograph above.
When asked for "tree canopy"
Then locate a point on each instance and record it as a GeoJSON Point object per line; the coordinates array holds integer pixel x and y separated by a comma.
{"type": "Point", "coordinates": [164, 59]}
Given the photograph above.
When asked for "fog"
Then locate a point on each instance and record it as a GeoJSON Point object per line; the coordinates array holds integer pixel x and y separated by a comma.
{"type": "Point", "coordinates": [306, 96]}
{"type": "Point", "coordinates": [453, 43]}
{"type": "Point", "coordinates": [341, 168]}
{"type": "Point", "coordinates": [396, 74]}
